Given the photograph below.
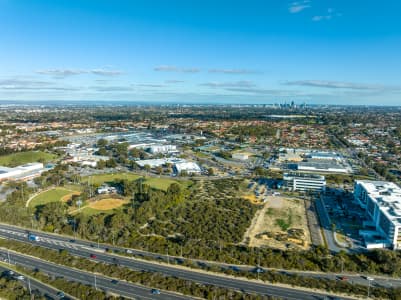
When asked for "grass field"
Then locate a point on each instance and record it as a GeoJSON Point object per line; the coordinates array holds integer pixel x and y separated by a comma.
{"type": "Point", "coordinates": [53, 195]}
{"type": "Point", "coordinates": [20, 158]}
{"type": "Point", "coordinates": [157, 183]}
{"type": "Point", "coordinates": [102, 178]}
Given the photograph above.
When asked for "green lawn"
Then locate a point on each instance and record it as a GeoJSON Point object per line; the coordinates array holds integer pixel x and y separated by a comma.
{"type": "Point", "coordinates": [20, 158]}
{"type": "Point", "coordinates": [157, 183]}
{"type": "Point", "coordinates": [89, 211]}
{"type": "Point", "coordinates": [52, 195]}
{"type": "Point", "coordinates": [99, 179]}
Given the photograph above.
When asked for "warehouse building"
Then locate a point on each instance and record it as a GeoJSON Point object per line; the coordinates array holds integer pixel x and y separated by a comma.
{"type": "Point", "coordinates": [23, 172]}
{"type": "Point", "coordinates": [189, 167]}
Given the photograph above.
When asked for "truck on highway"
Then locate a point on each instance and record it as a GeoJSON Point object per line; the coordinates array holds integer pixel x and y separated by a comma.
{"type": "Point", "coordinates": [33, 237]}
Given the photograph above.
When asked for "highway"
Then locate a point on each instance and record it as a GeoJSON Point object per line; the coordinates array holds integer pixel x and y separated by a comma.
{"type": "Point", "coordinates": [63, 242]}
{"type": "Point", "coordinates": [47, 291]}
{"type": "Point", "coordinates": [83, 249]}
{"type": "Point", "coordinates": [122, 288]}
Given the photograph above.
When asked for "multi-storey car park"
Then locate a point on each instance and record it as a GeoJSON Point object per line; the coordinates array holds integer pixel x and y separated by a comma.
{"type": "Point", "coordinates": [381, 201]}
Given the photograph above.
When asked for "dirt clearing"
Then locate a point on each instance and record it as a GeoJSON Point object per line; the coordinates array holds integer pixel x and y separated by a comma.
{"type": "Point", "coordinates": [107, 204]}
{"type": "Point", "coordinates": [281, 224]}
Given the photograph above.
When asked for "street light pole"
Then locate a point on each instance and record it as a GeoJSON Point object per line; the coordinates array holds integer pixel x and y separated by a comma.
{"type": "Point", "coordinates": [29, 286]}
{"type": "Point", "coordinates": [370, 280]}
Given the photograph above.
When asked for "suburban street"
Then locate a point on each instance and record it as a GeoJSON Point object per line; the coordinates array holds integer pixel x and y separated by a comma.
{"type": "Point", "coordinates": [83, 249]}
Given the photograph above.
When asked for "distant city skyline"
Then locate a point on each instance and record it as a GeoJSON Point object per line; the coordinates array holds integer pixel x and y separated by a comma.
{"type": "Point", "coordinates": [312, 51]}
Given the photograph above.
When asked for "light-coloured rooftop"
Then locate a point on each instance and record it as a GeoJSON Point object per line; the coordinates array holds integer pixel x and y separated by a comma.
{"type": "Point", "coordinates": [387, 195]}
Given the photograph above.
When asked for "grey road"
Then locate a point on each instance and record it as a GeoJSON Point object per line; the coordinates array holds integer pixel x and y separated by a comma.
{"type": "Point", "coordinates": [326, 227]}
{"type": "Point", "coordinates": [101, 282]}
{"type": "Point", "coordinates": [84, 249]}
{"type": "Point", "coordinates": [45, 290]}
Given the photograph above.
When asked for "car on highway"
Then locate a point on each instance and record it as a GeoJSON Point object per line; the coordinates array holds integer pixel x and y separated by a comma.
{"type": "Point", "coordinates": [234, 268]}
{"type": "Point", "coordinates": [20, 277]}
{"type": "Point", "coordinates": [93, 256]}
{"type": "Point", "coordinates": [368, 278]}
{"type": "Point", "coordinates": [60, 295]}
{"type": "Point", "coordinates": [342, 278]}
{"type": "Point", "coordinates": [114, 281]}
{"type": "Point", "coordinates": [155, 292]}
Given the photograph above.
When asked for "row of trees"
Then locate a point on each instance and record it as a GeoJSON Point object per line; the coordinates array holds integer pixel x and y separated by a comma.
{"type": "Point", "coordinates": [150, 279]}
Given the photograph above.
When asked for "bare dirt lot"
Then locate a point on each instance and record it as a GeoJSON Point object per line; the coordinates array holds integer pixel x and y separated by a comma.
{"type": "Point", "coordinates": [281, 223]}
{"type": "Point", "coordinates": [106, 204]}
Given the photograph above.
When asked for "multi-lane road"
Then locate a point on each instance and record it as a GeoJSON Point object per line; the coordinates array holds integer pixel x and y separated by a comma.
{"type": "Point", "coordinates": [32, 285]}
{"type": "Point", "coordinates": [85, 249]}
{"type": "Point", "coordinates": [122, 288]}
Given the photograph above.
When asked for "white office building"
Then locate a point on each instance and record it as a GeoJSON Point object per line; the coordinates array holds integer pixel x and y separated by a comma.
{"type": "Point", "coordinates": [240, 156]}
{"type": "Point", "coordinates": [155, 149]}
{"type": "Point", "coordinates": [304, 182]}
{"type": "Point", "coordinates": [189, 167]}
{"type": "Point", "coordinates": [381, 201]}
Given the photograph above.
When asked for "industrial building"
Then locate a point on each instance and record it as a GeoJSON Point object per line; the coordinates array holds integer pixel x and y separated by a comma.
{"type": "Point", "coordinates": [23, 172]}
{"type": "Point", "coordinates": [323, 166]}
{"type": "Point", "coordinates": [155, 149]}
{"type": "Point", "coordinates": [189, 167]}
{"type": "Point", "coordinates": [381, 202]}
{"type": "Point", "coordinates": [324, 155]}
{"type": "Point", "coordinates": [240, 156]}
{"type": "Point", "coordinates": [153, 163]}
{"type": "Point", "coordinates": [304, 182]}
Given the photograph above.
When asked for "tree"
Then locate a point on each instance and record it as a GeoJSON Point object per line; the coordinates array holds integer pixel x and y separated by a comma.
{"type": "Point", "coordinates": [147, 168]}
{"type": "Point", "coordinates": [102, 143]}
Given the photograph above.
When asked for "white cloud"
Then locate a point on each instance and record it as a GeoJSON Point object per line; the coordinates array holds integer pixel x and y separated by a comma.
{"type": "Point", "coordinates": [331, 13]}
{"type": "Point", "coordinates": [62, 73]}
{"type": "Point", "coordinates": [173, 81]}
{"type": "Point", "coordinates": [234, 71]}
{"type": "Point", "coordinates": [29, 84]}
{"type": "Point", "coordinates": [106, 72]}
{"type": "Point", "coordinates": [167, 68]}
{"type": "Point", "coordinates": [237, 84]}
{"type": "Point", "coordinates": [341, 85]}
{"type": "Point", "coordinates": [298, 6]}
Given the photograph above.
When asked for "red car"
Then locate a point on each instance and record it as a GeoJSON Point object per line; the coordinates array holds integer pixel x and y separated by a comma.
{"type": "Point", "coordinates": [93, 256]}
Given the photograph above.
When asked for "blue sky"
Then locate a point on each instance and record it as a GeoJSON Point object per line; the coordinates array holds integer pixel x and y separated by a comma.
{"type": "Point", "coordinates": [313, 51]}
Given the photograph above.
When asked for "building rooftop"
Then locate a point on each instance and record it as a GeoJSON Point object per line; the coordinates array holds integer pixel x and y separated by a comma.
{"type": "Point", "coordinates": [304, 175]}
{"type": "Point", "coordinates": [387, 195]}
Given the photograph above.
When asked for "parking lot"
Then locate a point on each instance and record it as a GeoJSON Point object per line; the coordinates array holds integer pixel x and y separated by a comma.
{"type": "Point", "coordinates": [346, 217]}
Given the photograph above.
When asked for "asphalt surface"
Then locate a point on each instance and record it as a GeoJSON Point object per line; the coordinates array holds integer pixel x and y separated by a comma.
{"type": "Point", "coordinates": [326, 227]}
{"type": "Point", "coordinates": [62, 242]}
{"type": "Point", "coordinates": [84, 249]}
{"type": "Point", "coordinates": [45, 290]}
{"type": "Point", "coordinates": [103, 283]}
